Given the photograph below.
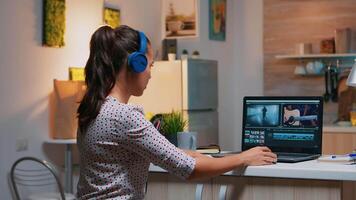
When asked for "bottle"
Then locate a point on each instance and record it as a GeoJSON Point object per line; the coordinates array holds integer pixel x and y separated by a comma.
{"type": "Point", "coordinates": [353, 115]}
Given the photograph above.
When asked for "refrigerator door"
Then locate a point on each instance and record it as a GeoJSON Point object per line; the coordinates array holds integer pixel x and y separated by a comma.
{"type": "Point", "coordinates": [200, 84]}
{"type": "Point", "coordinates": [206, 124]}
{"type": "Point", "coordinates": [164, 90]}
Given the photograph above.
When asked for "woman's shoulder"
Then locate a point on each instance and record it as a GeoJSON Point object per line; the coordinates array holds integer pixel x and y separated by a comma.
{"type": "Point", "coordinates": [113, 107]}
{"type": "Point", "coordinates": [128, 116]}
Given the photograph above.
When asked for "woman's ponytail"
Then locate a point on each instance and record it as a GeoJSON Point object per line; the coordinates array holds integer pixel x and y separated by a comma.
{"type": "Point", "coordinates": [109, 49]}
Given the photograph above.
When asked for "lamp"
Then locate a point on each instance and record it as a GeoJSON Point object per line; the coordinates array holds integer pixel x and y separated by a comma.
{"type": "Point", "coordinates": [351, 80]}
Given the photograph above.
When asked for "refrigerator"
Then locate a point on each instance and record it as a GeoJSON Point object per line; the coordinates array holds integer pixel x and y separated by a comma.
{"type": "Point", "coordinates": [190, 86]}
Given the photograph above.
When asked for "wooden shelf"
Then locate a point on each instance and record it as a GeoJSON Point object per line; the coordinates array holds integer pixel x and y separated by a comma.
{"type": "Point", "coordinates": [313, 56]}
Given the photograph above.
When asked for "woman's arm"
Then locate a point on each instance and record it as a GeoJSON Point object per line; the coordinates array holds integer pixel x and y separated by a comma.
{"type": "Point", "coordinates": [193, 154]}
{"type": "Point", "coordinates": [206, 167]}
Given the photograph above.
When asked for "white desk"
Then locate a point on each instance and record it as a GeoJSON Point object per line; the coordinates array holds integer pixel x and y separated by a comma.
{"type": "Point", "coordinates": [302, 170]}
{"type": "Point", "coordinates": [68, 173]}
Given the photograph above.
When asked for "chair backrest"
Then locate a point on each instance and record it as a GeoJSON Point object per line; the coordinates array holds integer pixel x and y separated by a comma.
{"type": "Point", "coordinates": [32, 173]}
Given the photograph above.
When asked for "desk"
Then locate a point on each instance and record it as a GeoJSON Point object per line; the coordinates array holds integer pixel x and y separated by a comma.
{"type": "Point", "coordinates": [68, 173]}
{"type": "Point", "coordinates": [302, 170]}
{"type": "Point", "coordinates": [303, 180]}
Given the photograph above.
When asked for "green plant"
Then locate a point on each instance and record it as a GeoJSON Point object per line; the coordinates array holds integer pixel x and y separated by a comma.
{"type": "Point", "coordinates": [185, 51]}
{"type": "Point", "coordinates": [54, 23]}
{"type": "Point", "coordinates": [173, 123]}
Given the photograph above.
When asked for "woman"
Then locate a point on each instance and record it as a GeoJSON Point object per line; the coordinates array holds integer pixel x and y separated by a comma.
{"type": "Point", "coordinates": [116, 143]}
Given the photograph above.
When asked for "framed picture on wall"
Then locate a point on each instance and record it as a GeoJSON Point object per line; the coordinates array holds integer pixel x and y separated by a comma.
{"type": "Point", "coordinates": [180, 18]}
{"type": "Point", "coordinates": [111, 17]}
{"type": "Point", "coordinates": [217, 20]}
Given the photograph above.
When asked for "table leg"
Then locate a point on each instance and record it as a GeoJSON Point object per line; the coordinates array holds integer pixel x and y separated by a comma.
{"type": "Point", "coordinates": [68, 187]}
{"type": "Point", "coordinates": [222, 192]}
{"type": "Point", "coordinates": [199, 192]}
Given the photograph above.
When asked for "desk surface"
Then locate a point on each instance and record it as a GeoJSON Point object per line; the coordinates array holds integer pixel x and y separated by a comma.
{"type": "Point", "coordinates": [302, 170]}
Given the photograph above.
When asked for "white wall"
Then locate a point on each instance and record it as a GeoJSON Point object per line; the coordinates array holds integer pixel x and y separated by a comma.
{"type": "Point", "coordinates": [27, 72]}
{"type": "Point", "coordinates": [27, 69]}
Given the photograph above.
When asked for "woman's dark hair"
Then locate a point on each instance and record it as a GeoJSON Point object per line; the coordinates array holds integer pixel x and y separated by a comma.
{"type": "Point", "coordinates": [109, 49]}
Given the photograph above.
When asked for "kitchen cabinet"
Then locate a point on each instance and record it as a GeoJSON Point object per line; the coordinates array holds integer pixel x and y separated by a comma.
{"type": "Point", "coordinates": [339, 143]}
{"type": "Point", "coordinates": [168, 187]}
{"type": "Point", "coordinates": [341, 140]}
{"type": "Point", "coordinates": [165, 186]}
{"type": "Point", "coordinates": [253, 188]}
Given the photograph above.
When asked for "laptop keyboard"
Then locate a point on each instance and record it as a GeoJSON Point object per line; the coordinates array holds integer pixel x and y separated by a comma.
{"type": "Point", "coordinates": [295, 157]}
{"type": "Point", "coordinates": [284, 154]}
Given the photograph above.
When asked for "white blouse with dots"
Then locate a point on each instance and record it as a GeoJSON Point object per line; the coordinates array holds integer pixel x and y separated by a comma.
{"type": "Point", "coordinates": [116, 151]}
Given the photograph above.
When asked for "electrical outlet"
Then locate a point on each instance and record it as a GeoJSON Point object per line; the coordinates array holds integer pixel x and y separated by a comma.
{"type": "Point", "coordinates": [21, 144]}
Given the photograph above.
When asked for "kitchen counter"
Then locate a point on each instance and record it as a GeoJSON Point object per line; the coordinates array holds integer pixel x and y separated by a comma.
{"type": "Point", "coordinates": [302, 170]}
{"type": "Point", "coordinates": [339, 129]}
{"type": "Point", "coordinates": [303, 180]}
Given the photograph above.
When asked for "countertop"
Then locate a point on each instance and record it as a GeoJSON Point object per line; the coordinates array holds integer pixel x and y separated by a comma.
{"type": "Point", "coordinates": [302, 170]}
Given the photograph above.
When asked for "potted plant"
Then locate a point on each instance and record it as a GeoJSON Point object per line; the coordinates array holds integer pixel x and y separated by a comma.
{"type": "Point", "coordinates": [172, 124]}
{"type": "Point", "coordinates": [195, 54]}
{"type": "Point", "coordinates": [184, 54]}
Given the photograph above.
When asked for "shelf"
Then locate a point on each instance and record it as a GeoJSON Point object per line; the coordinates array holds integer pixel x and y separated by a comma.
{"type": "Point", "coordinates": [311, 56]}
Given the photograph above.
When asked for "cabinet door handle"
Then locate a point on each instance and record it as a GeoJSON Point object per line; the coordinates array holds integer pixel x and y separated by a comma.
{"type": "Point", "coordinates": [199, 192]}
{"type": "Point", "coordinates": [222, 192]}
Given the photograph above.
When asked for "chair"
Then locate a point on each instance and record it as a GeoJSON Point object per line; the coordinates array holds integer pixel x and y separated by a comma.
{"type": "Point", "coordinates": [31, 176]}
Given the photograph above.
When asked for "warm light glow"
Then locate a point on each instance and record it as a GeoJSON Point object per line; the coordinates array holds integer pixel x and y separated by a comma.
{"type": "Point", "coordinates": [351, 80]}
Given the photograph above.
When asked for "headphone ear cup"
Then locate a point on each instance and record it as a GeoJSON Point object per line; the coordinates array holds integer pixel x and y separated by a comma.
{"type": "Point", "coordinates": [137, 61]}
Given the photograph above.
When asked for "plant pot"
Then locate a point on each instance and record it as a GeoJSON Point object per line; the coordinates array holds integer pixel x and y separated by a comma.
{"type": "Point", "coordinates": [172, 138]}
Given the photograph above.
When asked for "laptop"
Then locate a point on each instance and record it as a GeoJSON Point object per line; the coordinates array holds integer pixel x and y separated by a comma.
{"type": "Point", "coordinates": [290, 126]}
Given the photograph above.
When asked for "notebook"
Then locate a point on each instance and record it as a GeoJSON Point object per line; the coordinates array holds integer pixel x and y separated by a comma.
{"type": "Point", "coordinates": [290, 126]}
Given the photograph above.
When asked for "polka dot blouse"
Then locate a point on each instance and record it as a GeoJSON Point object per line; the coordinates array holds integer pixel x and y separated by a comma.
{"type": "Point", "coordinates": [116, 151]}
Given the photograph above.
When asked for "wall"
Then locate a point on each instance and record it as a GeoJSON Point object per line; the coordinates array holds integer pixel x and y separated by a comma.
{"type": "Point", "coordinates": [240, 62]}
{"type": "Point", "coordinates": [27, 69]}
{"type": "Point", "coordinates": [287, 23]}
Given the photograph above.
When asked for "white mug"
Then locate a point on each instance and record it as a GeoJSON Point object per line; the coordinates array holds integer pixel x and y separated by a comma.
{"type": "Point", "coordinates": [187, 140]}
{"type": "Point", "coordinates": [171, 57]}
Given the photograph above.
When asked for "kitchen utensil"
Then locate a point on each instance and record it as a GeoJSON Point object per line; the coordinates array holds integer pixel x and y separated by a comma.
{"type": "Point", "coordinates": [333, 84]}
{"type": "Point", "coordinates": [327, 80]}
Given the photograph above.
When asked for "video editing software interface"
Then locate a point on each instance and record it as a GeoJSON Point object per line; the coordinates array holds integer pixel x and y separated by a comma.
{"type": "Point", "coordinates": [282, 123]}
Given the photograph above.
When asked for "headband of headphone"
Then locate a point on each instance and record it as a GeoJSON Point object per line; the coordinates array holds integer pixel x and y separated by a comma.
{"type": "Point", "coordinates": [137, 60]}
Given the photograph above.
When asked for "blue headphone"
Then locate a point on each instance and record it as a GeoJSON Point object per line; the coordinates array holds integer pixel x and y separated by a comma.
{"type": "Point", "coordinates": [137, 60]}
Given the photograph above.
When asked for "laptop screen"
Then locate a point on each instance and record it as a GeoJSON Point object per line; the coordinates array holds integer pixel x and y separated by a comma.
{"type": "Point", "coordinates": [284, 124]}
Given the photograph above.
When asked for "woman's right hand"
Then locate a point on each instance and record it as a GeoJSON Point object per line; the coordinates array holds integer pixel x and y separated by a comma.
{"type": "Point", "coordinates": [206, 167]}
{"type": "Point", "coordinates": [258, 156]}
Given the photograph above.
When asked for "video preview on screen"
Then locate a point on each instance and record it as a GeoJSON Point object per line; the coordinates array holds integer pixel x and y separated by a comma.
{"type": "Point", "coordinates": [260, 115]}
{"type": "Point", "coordinates": [300, 115]}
